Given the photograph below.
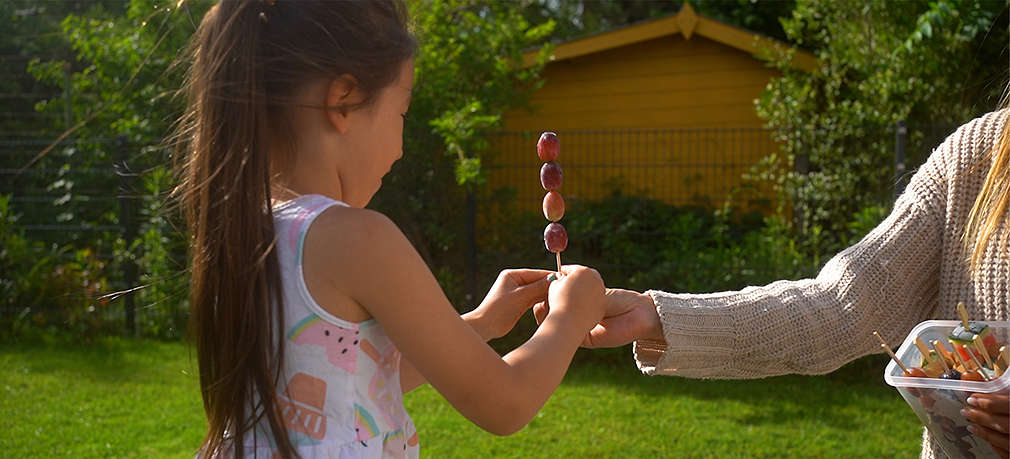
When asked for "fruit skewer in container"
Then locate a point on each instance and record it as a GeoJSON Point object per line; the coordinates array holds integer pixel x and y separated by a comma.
{"type": "Point", "coordinates": [938, 401]}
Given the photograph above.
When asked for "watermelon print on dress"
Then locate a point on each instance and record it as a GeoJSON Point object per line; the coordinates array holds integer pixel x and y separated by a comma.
{"type": "Point", "coordinates": [341, 344]}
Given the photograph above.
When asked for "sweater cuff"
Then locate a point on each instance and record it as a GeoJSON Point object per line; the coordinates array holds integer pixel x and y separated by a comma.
{"type": "Point", "coordinates": [700, 339]}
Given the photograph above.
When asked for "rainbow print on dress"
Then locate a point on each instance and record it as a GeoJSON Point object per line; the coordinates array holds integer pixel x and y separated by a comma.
{"type": "Point", "coordinates": [364, 423]}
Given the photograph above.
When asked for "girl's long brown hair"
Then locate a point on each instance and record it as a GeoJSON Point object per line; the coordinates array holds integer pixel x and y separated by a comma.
{"type": "Point", "coordinates": [246, 58]}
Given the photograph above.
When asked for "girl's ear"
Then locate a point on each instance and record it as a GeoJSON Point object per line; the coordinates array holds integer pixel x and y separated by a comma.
{"type": "Point", "coordinates": [341, 93]}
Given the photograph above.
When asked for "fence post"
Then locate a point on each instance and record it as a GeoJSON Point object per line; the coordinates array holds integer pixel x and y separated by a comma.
{"type": "Point", "coordinates": [68, 113]}
{"type": "Point", "coordinates": [470, 263]}
{"type": "Point", "coordinates": [128, 222]}
{"type": "Point", "coordinates": [900, 136]}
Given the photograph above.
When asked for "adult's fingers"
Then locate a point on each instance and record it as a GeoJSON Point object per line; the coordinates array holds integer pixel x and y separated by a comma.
{"type": "Point", "coordinates": [997, 422]}
{"type": "Point", "coordinates": [999, 441]}
{"type": "Point", "coordinates": [996, 402]}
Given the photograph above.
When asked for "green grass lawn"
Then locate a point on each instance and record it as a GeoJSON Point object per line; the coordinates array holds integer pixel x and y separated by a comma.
{"type": "Point", "coordinates": [122, 397]}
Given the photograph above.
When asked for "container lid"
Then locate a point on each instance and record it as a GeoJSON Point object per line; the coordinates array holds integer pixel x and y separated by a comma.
{"type": "Point", "coordinates": [939, 330]}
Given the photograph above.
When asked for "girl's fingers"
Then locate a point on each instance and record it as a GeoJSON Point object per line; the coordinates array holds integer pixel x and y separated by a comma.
{"type": "Point", "coordinates": [527, 276]}
{"type": "Point", "coordinates": [540, 311]}
{"type": "Point", "coordinates": [536, 290]}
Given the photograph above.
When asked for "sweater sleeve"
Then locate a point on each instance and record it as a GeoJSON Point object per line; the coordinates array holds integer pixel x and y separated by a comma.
{"type": "Point", "coordinates": [887, 282]}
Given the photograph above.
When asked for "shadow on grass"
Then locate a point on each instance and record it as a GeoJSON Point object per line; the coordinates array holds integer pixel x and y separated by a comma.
{"type": "Point", "coordinates": [785, 399]}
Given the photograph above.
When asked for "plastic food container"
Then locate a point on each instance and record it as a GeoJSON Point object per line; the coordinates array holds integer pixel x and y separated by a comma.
{"type": "Point", "coordinates": [938, 402]}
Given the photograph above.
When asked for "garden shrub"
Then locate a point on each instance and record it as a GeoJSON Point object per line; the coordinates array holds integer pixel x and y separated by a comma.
{"type": "Point", "coordinates": [49, 287]}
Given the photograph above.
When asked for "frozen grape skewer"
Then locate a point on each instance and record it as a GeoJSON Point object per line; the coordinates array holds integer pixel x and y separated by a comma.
{"type": "Point", "coordinates": [551, 177]}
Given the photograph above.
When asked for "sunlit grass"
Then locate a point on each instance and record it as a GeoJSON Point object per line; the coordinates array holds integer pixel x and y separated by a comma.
{"type": "Point", "coordinates": [123, 397]}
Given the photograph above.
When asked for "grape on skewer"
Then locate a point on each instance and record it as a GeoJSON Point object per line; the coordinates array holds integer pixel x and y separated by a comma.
{"type": "Point", "coordinates": [555, 236]}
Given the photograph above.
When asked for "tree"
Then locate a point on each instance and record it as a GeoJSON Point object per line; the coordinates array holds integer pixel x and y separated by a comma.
{"type": "Point", "coordinates": [124, 82]}
{"type": "Point", "coordinates": [926, 62]}
{"type": "Point", "coordinates": [576, 18]}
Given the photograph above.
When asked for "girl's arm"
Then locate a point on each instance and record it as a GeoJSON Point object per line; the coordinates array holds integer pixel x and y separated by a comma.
{"type": "Point", "coordinates": [513, 293]}
{"type": "Point", "coordinates": [374, 264]}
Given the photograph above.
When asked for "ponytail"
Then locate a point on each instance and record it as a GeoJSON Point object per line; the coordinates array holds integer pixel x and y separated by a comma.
{"type": "Point", "coordinates": [247, 56]}
{"type": "Point", "coordinates": [235, 278]}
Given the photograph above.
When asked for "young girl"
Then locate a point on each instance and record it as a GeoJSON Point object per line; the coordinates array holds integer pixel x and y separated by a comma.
{"type": "Point", "coordinates": [303, 301]}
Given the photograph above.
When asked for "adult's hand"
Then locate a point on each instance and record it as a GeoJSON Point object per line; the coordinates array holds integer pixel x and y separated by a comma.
{"type": "Point", "coordinates": [990, 418]}
{"type": "Point", "coordinates": [629, 316]}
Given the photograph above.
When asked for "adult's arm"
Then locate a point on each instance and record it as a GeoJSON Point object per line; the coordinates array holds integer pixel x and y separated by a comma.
{"type": "Point", "coordinates": [887, 282]}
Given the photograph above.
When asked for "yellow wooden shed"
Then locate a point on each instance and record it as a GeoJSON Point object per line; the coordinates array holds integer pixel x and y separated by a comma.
{"type": "Point", "coordinates": [663, 108]}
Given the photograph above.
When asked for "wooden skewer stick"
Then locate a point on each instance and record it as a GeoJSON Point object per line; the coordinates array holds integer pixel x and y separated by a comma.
{"type": "Point", "coordinates": [1004, 354]}
{"type": "Point", "coordinates": [958, 358]}
{"type": "Point", "coordinates": [971, 355]}
{"type": "Point", "coordinates": [559, 263]}
{"type": "Point", "coordinates": [936, 344]}
{"type": "Point", "coordinates": [891, 353]}
{"type": "Point", "coordinates": [887, 348]}
{"type": "Point", "coordinates": [961, 311]}
{"type": "Point", "coordinates": [919, 343]}
{"type": "Point", "coordinates": [982, 350]}
{"type": "Point", "coordinates": [965, 364]}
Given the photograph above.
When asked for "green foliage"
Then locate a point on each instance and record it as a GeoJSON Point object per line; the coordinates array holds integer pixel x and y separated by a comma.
{"type": "Point", "coordinates": [676, 249]}
{"type": "Point", "coordinates": [577, 18]}
{"type": "Point", "coordinates": [925, 61]}
{"type": "Point", "coordinates": [160, 255]}
{"type": "Point", "coordinates": [52, 287]}
{"type": "Point", "coordinates": [641, 243]}
{"type": "Point", "coordinates": [124, 79]}
{"type": "Point", "coordinates": [467, 76]}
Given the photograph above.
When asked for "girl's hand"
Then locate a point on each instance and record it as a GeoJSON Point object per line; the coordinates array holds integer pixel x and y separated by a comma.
{"type": "Point", "coordinates": [513, 293]}
{"type": "Point", "coordinates": [629, 316]}
{"type": "Point", "coordinates": [990, 418]}
{"type": "Point", "coordinates": [578, 291]}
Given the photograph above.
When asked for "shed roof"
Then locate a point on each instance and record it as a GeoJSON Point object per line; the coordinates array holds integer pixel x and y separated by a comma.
{"type": "Point", "coordinates": [687, 23]}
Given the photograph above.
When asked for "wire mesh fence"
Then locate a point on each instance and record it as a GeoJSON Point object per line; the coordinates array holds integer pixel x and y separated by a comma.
{"type": "Point", "coordinates": [77, 209]}
{"type": "Point", "coordinates": [84, 199]}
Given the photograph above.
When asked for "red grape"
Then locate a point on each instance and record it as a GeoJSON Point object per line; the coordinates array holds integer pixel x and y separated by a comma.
{"type": "Point", "coordinates": [554, 206]}
{"type": "Point", "coordinates": [550, 176]}
{"type": "Point", "coordinates": [548, 146]}
{"type": "Point", "coordinates": [555, 238]}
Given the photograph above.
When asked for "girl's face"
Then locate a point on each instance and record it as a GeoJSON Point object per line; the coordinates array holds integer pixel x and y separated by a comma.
{"type": "Point", "coordinates": [377, 136]}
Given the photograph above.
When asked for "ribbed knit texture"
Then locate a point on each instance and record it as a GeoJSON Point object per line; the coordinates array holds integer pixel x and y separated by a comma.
{"type": "Point", "coordinates": [909, 269]}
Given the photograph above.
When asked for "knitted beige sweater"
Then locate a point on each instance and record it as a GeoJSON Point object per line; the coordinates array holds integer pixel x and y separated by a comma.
{"type": "Point", "coordinates": [907, 270]}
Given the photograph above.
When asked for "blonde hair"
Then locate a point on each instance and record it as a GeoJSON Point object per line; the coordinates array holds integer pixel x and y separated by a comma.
{"type": "Point", "coordinates": [989, 211]}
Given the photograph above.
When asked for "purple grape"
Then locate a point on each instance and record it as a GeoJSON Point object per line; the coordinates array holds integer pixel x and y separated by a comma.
{"type": "Point", "coordinates": [548, 146]}
{"type": "Point", "coordinates": [550, 176]}
{"type": "Point", "coordinates": [555, 238]}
